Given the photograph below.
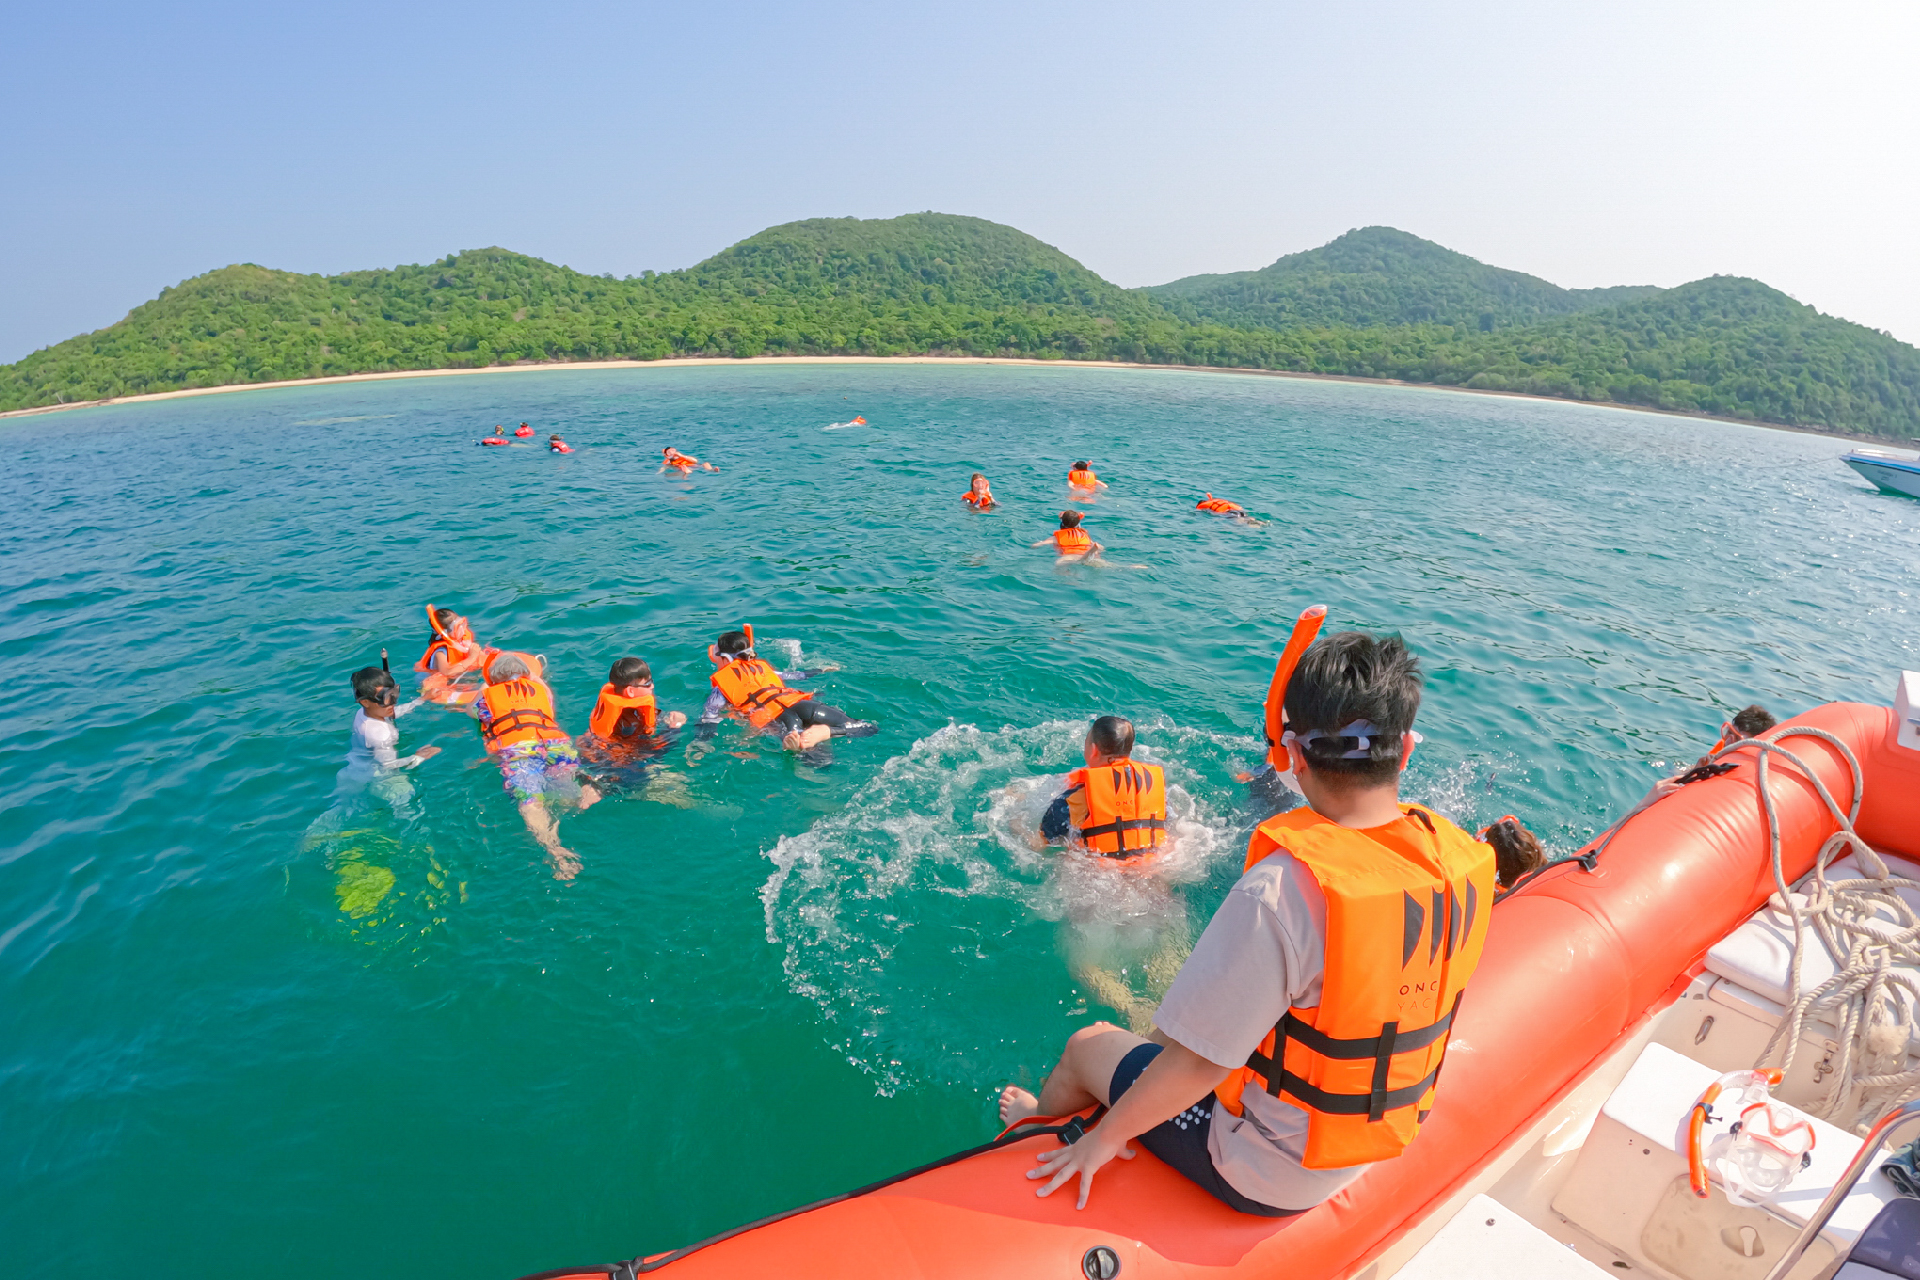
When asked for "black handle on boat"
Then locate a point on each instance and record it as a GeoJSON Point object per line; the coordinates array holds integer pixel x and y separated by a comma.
{"type": "Point", "coordinates": [1869, 1148]}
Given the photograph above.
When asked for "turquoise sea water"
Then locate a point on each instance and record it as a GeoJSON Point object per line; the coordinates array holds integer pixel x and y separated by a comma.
{"type": "Point", "coordinates": [771, 982]}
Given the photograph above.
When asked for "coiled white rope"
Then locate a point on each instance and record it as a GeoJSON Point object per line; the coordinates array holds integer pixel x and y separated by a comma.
{"type": "Point", "coordinates": [1873, 937]}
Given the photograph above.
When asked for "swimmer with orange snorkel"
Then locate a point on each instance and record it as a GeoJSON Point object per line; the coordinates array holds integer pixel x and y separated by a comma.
{"type": "Point", "coordinates": [1221, 507]}
{"type": "Point", "coordinates": [979, 494]}
{"type": "Point", "coordinates": [452, 653]}
{"type": "Point", "coordinates": [671, 459]}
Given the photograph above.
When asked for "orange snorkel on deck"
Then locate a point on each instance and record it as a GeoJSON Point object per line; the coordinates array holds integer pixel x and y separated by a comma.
{"type": "Point", "coordinates": [1305, 629]}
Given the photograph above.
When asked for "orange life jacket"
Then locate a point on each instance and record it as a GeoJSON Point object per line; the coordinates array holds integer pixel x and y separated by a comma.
{"type": "Point", "coordinates": [523, 430]}
{"type": "Point", "coordinates": [755, 690]}
{"type": "Point", "coordinates": [1082, 479]}
{"type": "Point", "coordinates": [462, 655]}
{"type": "Point", "coordinates": [495, 440]}
{"type": "Point", "coordinates": [559, 446]}
{"type": "Point", "coordinates": [1126, 808]}
{"type": "Point", "coordinates": [1211, 503]}
{"type": "Point", "coordinates": [981, 500]}
{"type": "Point", "coordinates": [684, 461]}
{"type": "Point", "coordinates": [518, 711]}
{"type": "Point", "coordinates": [1407, 911]}
{"type": "Point", "coordinates": [612, 708]}
{"type": "Point", "coordinates": [1072, 541]}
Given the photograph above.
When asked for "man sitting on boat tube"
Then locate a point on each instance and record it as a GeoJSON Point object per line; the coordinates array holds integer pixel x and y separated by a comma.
{"type": "Point", "coordinates": [1302, 1039]}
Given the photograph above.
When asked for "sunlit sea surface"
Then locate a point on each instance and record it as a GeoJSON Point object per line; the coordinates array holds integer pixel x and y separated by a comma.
{"type": "Point", "coordinates": [248, 1027]}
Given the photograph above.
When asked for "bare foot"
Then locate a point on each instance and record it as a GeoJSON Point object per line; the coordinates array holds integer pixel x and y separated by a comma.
{"type": "Point", "coordinates": [1016, 1104]}
{"type": "Point", "coordinates": [814, 735]}
{"type": "Point", "coordinates": [566, 864]}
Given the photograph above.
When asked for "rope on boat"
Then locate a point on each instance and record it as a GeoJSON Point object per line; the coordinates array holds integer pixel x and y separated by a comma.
{"type": "Point", "coordinates": [1872, 936]}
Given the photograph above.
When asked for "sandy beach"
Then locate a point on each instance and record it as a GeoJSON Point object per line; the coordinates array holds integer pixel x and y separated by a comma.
{"type": "Point", "coordinates": [697, 361]}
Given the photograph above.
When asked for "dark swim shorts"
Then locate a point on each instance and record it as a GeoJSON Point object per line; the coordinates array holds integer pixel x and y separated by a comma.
{"type": "Point", "coordinates": [1182, 1141]}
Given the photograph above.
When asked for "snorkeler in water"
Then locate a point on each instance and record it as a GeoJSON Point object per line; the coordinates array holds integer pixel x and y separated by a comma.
{"type": "Point", "coordinates": [1082, 479]}
{"type": "Point", "coordinates": [498, 438]}
{"type": "Point", "coordinates": [452, 653]}
{"type": "Point", "coordinates": [374, 764]}
{"type": "Point", "coordinates": [1070, 540]}
{"type": "Point", "coordinates": [1113, 808]}
{"type": "Point", "coordinates": [537, 759]}
{"type": "Point", "coordinates": [671, 459]}
{"type": "Point", "coordinates": [557, 445]}
{"type": "Point", "coordinates": [524, 431]}
{"type": "Point", "coordinates": [626, 732]}
{"type": "Point", "coordinates": [979, 494]}
{"type": "Point", "coordinates": [748, 687]}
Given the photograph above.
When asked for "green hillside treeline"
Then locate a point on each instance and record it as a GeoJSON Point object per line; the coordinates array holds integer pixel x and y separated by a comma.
{"type": "Point", "coordinates": [1375, 303]}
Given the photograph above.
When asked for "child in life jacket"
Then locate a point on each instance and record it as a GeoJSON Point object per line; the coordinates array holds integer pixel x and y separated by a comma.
{"type": "Point", "coordinates": [623, 733]}
{"type": "Point", "coordinates": [1082, 477]}
{"type": "Point", "coordinates": [538, 763]}
{"type": "Point", "coordinates": [374, 763]}
{"type": "Point", "coordinates": [1113, 808]}
{"type": "Point", "coordinates": [747, 686]}
{"type": "Point", "coordinates": [524, 431]}
{"type": "Point", "coordinates": [1070, 540]}
{"type": "Point", "coordinates": [671, 459]}
{"type": "Point", "coordinates": [979, 494]}
{"type": "Point", "coordinates": [1240, 1090]}
{"type": "Point", "coordinates": [452, 652]}
{"type": "Point", "coordinates": [557, 445]}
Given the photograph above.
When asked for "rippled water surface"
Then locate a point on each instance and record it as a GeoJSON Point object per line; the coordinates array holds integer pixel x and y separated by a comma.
{"type": "Point", "coordinates": [241, 1028]}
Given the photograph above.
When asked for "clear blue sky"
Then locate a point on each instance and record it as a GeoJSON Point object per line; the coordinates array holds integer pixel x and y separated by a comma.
{"type": "Point", "coordinates": [1626, 142]}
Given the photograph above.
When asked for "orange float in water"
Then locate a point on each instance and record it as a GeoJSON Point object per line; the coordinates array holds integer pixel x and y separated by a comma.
{"type": "Point", "coordinates": [1575, 960]}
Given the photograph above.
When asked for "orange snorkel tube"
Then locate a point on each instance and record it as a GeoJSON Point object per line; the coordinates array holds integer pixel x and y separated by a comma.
{"type": "Point", "coordinates": [746, 629]}
{"type": "Point", "coordinates": [1305, 629]}
{"type": "Point", "coordinates": [1703, 1112]}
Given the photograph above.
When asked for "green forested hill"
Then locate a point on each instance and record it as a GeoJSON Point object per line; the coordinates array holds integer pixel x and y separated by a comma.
{"type": "Point", "coordinates": [1376, 276]}
{"type": "Point", "coordinates": [931, 283]}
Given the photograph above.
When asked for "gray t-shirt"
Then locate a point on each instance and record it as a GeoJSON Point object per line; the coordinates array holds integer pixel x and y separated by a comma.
{"type": "Point", "coordinates": [1264, 951]}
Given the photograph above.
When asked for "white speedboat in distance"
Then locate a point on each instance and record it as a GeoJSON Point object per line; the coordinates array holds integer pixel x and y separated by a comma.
{"type": "Point", "coordinates": [1894, 474]}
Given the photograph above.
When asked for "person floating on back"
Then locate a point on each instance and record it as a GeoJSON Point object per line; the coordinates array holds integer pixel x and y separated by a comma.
{"type": "Point", "coordinates": [374, 763]}
{"type": "Point", "coordinates": [979, 494]}
{"type": "Point", "coordinates": [524, 431]}
{"type": "Point", "coordinates": [1113, 808]}
{"type": "Point", "coordinates": [1339, 955]}
{"type": "Point", "coordinates": [536, 757]}
{"type": "Point", "coordinates": [671, 459]}
{"type": "Point", "coordinates": [747, 686]}
{"type": "Point", "coordinates": [1081, 477]}
{"type": "Point", "coordinates": [1070, 540]}
{"type": "Point", "coordinates": [452, 652]}
{"type": "Point", "coordinates": [557, 445]}
{"type": "Point", "coordinates": [498, 438]}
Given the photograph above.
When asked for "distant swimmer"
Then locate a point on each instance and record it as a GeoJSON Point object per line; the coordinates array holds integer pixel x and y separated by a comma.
{"type": "Point", "coordinates": [524, 431]}
{"type": "Point", "coordinates": [452, 652]}
{"type": "Point", "coordinates": [842, 426]}
{"type": "Point", "coordinates": [498, 438]}
{"type": "Point", "coordinates": [671, 459]}
{"type": "Point", "coordinates": [979, 494]}
{"type": "Point", "coordinates": [373, 761]}
{"type": "Point", "coordinates": [1083, 479]}
{"type": "Point", "coordinates": [1113, 808]}
{"type": "Point", "coordinates": [1221, 507]}
{"type": "Point", "coordinates": [1070, 540]}
{"type": "Point", "coordinates": [747, 686]}
{"type": "Point", "coordinates": [557, 445]}
{"type": "Point", "coordinates": [537, 759]}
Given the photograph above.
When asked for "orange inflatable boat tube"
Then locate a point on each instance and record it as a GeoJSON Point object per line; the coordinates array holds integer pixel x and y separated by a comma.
{"type": "Point", "coordinates": [1623, 937]}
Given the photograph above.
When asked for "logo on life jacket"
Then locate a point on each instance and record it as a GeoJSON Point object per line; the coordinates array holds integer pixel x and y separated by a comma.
{"type": "Point", "coordinates": [1407, 912]}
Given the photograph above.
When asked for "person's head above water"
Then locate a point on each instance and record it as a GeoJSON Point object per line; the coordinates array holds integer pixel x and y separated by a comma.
{"type": "Point", "coordinates": [978, 483]}
{"type": "Point", "coordinates": [448, 624]}
{"type": "Point", "coordinates": [1070, 519]}
{"type": "Point", "coordinates": [1082, 466]}
{"type": "Point", "coordinates": [375, 685]}
{"type": "Point", "coordinates": [505, 666]}
{"type": "Point", "coordinates": [1750, 722]}
{"type": "Point", "coordinates": [1109, 741]}
{"type": "Point", "coordinates": [1516, 850]}
{"type": "Point", "coordinates": [627, 673]}
{"type": "Point", "coordinates": [733, 644]}
{"type": "Point", "coordinates": [1350, 710]}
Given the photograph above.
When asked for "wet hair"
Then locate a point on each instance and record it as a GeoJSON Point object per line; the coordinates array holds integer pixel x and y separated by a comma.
{"type": "Point", "coordinates": [369, 681]}
{"type": "Point", "coordinates": [506, 667]}
{"type": "Point", "coordinates": [976, 476]}
{"type": "Point", "coordinates": [445, 618]}
{"type": "Point", "coordinates": [554, 436]}
{"type": "Point", "coordinates": [1080, 466]}
{"type": "Point", "coordinates": [1353, 676]}
{"type": "Point", "coordinates": [626, 671]}
{"type": "Point", "coordinates": [1112, 736]}
{"type": "Point", "coordinates": [732, 644]}
{"type": "Point", "coordinates": [1516, 850]}
{"type": "Point", "coordinates": [1070, 519]}
{"type": "Point", "coordinates": [1754, 720]}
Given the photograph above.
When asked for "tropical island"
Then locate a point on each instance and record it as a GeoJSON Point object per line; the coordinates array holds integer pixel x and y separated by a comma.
{"type": "Point", "coordinates": [1374, 303]}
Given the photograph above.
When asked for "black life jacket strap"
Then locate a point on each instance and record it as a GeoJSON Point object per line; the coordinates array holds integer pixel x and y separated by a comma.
{"type": "Point", "coordinates": [1378, 1100]}
{"type": "Point", "coordinates": [1124, 824]}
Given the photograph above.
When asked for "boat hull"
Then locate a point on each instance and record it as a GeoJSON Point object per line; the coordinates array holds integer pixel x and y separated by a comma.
{"type": "Point", "coordinates": [1890, 474]}
{"type": "Point", "coordinates": [1572, 962]}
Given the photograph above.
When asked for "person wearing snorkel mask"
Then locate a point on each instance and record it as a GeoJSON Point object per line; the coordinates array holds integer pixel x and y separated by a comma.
{"type": "Point", "coordinates": [373, 759]}
{"type": "Point", "coordinates": [749, 688]}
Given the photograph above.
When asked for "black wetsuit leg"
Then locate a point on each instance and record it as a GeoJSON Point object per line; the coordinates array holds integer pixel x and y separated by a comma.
{"type": "Point", "coordinates": [1057, 822]}
{"type": "Point", "coordinates": [805, 715]}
